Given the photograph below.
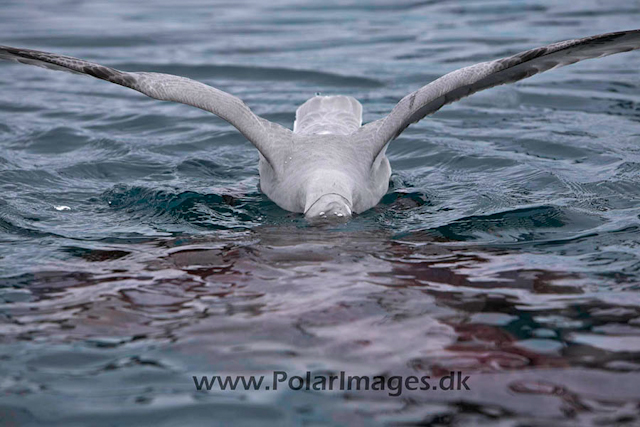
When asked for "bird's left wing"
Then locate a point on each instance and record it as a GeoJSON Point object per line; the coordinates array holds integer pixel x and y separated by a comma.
{"type": "Point", "coordinates": [165, 87]}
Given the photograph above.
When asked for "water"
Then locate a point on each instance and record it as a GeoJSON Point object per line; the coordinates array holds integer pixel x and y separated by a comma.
{"type": "Point", "coordinates": [507, 247]}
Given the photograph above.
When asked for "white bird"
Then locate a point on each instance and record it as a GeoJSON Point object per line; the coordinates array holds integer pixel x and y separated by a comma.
{"type": "Point", "coordinates": [330, 165]}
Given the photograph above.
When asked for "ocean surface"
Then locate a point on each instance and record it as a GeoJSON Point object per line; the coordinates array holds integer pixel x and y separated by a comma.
{"type": "Point", "coordinates": [136, 250]}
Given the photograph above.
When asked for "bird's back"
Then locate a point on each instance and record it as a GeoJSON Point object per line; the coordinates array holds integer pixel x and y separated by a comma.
{"type": "Point", "coordinates": [328, 115]}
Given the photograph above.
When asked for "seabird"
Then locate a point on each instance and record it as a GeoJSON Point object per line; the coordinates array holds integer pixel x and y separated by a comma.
{"type": "Point", "coordinates": [330, 165]}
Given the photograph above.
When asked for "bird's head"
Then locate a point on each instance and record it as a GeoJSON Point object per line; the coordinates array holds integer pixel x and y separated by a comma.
{"type": "Point", "coordinates": [329, 208]}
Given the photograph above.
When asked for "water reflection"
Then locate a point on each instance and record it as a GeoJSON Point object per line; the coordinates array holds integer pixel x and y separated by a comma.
{"type": "Point", "coordinates": [327, 300]}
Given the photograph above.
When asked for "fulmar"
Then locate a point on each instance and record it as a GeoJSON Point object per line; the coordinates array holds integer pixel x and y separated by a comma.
{"type": "Point", "coordinates": [331, 165]}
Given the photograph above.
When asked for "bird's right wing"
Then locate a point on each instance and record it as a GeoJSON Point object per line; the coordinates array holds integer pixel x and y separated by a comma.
{"type": "Point", "coordinates": [165, 87]}
{"type": "Point", "coordinates": [466, 81]}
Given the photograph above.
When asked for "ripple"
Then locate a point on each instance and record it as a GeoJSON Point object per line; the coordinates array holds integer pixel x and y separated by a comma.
{"type": "Point", "coordinates": [212, 211]}
{"type": "Point", "coordinates": [516, 224]}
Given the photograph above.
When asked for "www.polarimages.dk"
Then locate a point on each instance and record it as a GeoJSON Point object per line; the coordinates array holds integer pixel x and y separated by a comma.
{"type": "Point", "coordinates": [394, 385]}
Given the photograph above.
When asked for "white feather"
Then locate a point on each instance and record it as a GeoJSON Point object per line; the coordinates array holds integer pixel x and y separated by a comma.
{"type": "Point", "coordinates": [328, 115]}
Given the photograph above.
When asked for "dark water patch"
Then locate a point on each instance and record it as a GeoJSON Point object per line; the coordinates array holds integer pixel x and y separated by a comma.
{"type": "Point", "coordinates": [68, 361]}
{"type": "Point", "coordinates": [16, 107]}
{"type": "Point", "coordinates": [498, 9]}
{"type": "Point", "coordinates": [489, 41]}
{"type": "Point", "coordinates": [558, 23]}
{"type": "Point", "coordinates": [95, 255]}
{"type": "Point", "coordinates": [131, 238]}
{"type": "Point", "coordinates": [102, 41]}
{"type": "Point", "coordinates": [422, 53]}
{"type": "Point", "coordinates": [13, 229]}
{"type": "Point", "coordinates": [111, 170]}
{"type": "Point", "coordinates": [45, 281]}
{"type": "Point", "coordinates": [599, 12]}
{"type": "Point", "coordinates": [355, 7]}
{"type": "Point", "coordinates": [402, 199]}
{"type": "Point", "coordinates": [552, 150]}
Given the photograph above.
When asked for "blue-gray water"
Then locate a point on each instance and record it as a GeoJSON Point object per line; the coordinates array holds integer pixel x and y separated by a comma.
{"type": "Point", "coordinates": [508, 246]}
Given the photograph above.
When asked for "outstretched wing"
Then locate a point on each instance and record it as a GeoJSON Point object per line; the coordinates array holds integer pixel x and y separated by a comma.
{"type": "Point", "coordinates": [466, 81]}
{"type": "Point", "coordinates": [165, 87]}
